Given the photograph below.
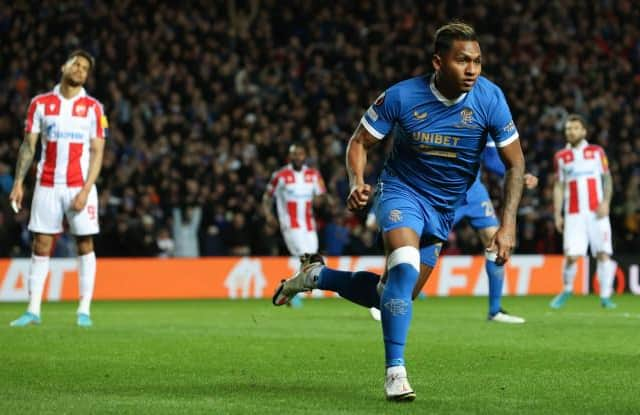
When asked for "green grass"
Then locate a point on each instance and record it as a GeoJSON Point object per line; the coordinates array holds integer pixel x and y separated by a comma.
{"type": "Point", "coordinates": [246, 357]}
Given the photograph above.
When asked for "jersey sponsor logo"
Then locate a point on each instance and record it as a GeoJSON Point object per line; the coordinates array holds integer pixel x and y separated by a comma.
{"type": "Point", "coordinates": [395, 215]}
{"type": "Point", "coordinates": [380, 99]}
{"type": "Point", "coordinates": [420, 115]}
{"type": "Point", "coordinates": [431, 138]}
{"type": "Point", "coordinates": [52, 132]}
{"type": "Point", "coordinates": [435, 151]}
{"type": "Point", "coordinates": [576, 172]}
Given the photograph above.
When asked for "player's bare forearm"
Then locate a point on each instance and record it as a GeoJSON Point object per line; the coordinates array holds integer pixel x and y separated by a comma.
{"type": "Point", "coordinates": [25, 157]}
{"type": "Point", "coordinates": [558, 196]}
{"type": "Point", "coordinates": [267, 203]}
{"type": "Point", "coordinates": [513, 181]}
{"type": "Point", "coordinates": [607, 187]}
{"type": "Point", "coordinates": [96, 153]}
{"type": "Point", "coordinates": [361, 141]}
{"type": "Point", "coordinates": [513, 185]}
{"type": "Point", "coordinates": [359, 144]}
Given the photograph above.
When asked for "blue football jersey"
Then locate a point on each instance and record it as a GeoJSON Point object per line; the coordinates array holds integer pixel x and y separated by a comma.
{"type": "Point", "coordinates": [438, 142]}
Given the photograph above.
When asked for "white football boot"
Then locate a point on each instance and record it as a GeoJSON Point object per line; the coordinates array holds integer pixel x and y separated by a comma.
{"type": "Point", "coordinates": [503, 317]}
{"type": "Point", "coordinates": [375, 314]}
{"type": "Point", "coordinates": [300, 281]}
{"type": "Point", "coordinates": [396, 385]}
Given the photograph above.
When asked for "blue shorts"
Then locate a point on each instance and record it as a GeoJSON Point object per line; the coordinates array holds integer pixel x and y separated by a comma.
{"type": "Point", "coordinates": [397, 205]}
{"type": "Point", "coordinates": [477, 207]}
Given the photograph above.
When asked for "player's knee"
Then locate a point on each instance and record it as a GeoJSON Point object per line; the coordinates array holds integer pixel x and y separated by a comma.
{"type": "Point", "coordinates": [404, 255]}
{"type": "Point", "coordinates": [403, 265]}
{"type": "Point", "coordinates": [85, 244]}
{"type": "Point", "coordinates": [602, 256]}
{"type": "Point", "coordinates": [571, 260]}
{"type": "Point", "coordinates": [41, 246]}
{"type": "Point", "coordinates": [486, 234]}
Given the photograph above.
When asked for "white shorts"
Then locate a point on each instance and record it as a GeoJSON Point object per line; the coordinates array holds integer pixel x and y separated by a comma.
{"type": "Point", "coordinates": [300, 241]}
{"type": "Point", "coordinates": [51, 204]}
{"type": "Point", "coordinates": [585, 230]}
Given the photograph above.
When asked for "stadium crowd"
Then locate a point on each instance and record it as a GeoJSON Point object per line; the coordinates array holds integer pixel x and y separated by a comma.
{"type": "Point", "coordinates": [204, 99]}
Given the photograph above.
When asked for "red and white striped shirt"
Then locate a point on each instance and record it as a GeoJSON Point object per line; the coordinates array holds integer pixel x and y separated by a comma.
{"type": "Point", "coordinates": [581, 169]}
{"type": "Point", "coordinates": [294, 192]}
{"type": "Point", "coordinates": [67, 127]}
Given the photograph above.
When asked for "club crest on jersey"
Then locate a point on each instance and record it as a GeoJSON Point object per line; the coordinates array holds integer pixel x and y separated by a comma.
{"type": "Point", "coordinates": [80, 110]}
{"type": "Point", "coordinates": [420, 115]}
{"type": "Point", "coordinates": [466, 116]}
{"type": "Point", "coordinates": [380, 99]}
{"type": "Point", "coordinates": [395, 216]}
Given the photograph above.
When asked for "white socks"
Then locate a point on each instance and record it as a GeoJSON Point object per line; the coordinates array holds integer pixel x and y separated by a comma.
{"type": "Point", "coordinates": [568, 275]}
{"type": "Point", "coordinates": [36, 280]}
{"type": "Point", "coordinates": [606, 270]}
{"type": "Point", "coordinates": [86, 280]}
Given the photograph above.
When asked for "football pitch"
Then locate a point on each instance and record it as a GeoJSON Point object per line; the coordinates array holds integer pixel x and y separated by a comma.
{"type": "Point", "coordinates": [248, 357]}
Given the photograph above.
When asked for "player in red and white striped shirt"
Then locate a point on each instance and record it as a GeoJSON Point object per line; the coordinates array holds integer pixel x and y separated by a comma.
{"type": "Point", "coordinates": [584, 187]}
{"type": "Point", "coordinates": [294, 188]}
{"type": "Point", "coordinates": [72, 128]}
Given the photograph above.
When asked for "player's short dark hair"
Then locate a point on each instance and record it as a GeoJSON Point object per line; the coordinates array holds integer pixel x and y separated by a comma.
{"type": "Point", "coordinates": [446, 34]}
{"type": "Point", "coordinates": [83, 53]}
{"type": "Point", "coordinates": [579, 118]}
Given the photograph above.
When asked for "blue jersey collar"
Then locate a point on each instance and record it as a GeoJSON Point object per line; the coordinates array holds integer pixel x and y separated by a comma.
{"type": "Point", "coordinates": [446, 101]}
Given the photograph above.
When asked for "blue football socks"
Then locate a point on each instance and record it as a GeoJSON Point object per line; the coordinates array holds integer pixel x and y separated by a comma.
{"type": "Point", "coordinates": [358, 287]}
{"type": "Point", "coordinates": [396, 306]}
{"type": "Point", "coordinates": [496, 279]}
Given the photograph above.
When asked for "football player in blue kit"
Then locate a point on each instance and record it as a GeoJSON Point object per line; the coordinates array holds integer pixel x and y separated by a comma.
{"type": "Point", "coordinates": [478, 209]}
{"type": "Point", "coordinates": [442, 123]}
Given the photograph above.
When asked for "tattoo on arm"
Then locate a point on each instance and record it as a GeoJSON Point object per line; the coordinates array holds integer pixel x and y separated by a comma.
{"type": "Point", "coordinates": [25, 158]}
{"type": "Point", "coordinates": [513, 185]}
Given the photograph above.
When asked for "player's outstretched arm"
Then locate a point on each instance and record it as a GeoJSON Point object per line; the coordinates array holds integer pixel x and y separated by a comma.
{"type": "Point", "coordinates": [25, 158]}
{"type": "Point", "coordinates": [505, 238]}
{"type": "Point", "coordinates": [359, 144]}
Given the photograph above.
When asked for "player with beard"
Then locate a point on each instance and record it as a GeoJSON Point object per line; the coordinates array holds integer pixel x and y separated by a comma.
{"type": "Point", "coordinates": [72, 128]}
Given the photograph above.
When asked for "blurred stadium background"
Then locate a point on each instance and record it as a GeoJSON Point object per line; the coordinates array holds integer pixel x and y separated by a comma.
{"type": "Point", "coordinates": [203, 99]}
